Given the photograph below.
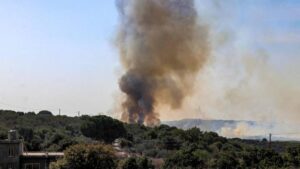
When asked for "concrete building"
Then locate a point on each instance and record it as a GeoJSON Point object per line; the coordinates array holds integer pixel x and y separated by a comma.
{"type": "Point", "coordinates": [13, 156]}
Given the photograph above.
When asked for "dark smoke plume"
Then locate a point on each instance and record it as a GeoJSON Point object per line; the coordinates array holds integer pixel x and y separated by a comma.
{"type": "Point", "coordinates": [162, 48]}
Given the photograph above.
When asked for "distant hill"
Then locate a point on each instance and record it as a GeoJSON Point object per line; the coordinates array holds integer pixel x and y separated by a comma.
{"type": "Point", "coordinates": [206, 125]}
{"type": "Point", "coordinates": [217, 125]}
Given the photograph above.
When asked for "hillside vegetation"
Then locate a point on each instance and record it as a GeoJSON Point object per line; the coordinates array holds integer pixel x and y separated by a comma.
{"type": "Point", "coordinates": [178, 148]}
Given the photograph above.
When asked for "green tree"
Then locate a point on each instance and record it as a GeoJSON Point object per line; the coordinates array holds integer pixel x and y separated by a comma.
{"type": "Point", "coordinates": [227, 161]}
{"type": "Point", "coordinates": [26, 133]}
{"type": "Point", "coordinates": [170, 143]}
{"type": "Point", "coordinates": [184, 159]}
{"type": "Point", "coordinates": [136, 163]}
{"type": "Point", "coordinates": [129, 163]}
{"type": "Point", "coordinates": [87, 157]}
{"type": "Point", "coordinates": [144, 163]}
{"type": "Point", "coordinates": [103, 128]}
{"type": "Point", "coordinates": [292, 156]}
{"type": "Point", "coordinates": [193, 135]}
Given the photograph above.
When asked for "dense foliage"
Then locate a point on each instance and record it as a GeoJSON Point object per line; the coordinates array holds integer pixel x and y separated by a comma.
{"type": "Point", "coordinates": [194, 149]}
{"type": "Point", "coordinates": [87, 157]}
{"type": "Point", "coordinates": [102, 128]}
{"type": "Point", "coordinates": [42, 131]}
{"type": "Point", "coordinates": [135, 163]}
{"type": "Point", "coordinates": [181, 149]}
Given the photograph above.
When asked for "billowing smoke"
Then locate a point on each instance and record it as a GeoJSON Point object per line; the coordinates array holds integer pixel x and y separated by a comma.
{"type": "Point", "coordinates": [248, 78]}
{"type": "Point", "coordinates": [162, 48]}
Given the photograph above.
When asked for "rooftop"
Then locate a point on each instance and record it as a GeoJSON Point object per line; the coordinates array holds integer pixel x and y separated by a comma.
{"type": "Point", "coordinates": [43, 154]}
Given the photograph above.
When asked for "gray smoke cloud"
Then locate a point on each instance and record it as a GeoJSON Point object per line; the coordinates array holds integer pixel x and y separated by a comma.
{"type": "Point", "coordinates": [162, 48]}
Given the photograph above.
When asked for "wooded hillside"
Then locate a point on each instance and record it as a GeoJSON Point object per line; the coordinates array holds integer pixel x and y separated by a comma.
{"type": "Point", "coordinates": [179, 148]}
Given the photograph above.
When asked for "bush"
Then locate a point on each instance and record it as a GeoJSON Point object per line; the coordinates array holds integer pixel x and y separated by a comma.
{"type": "Point", "coordinates": [226, 161]}
{"type": "Point", "coordinates": [136, 163]}
{"type": "Point", "coordinates": [184, 159]}
{"type": "Point", "coordinates": [125, 143]}
{"type": "Point", "coordinates": [144, 163]}
{"type": "Point", "coordinates": [129, 163]}
{"type": "Point", "coordinates": [87, 157]}
{"type": "Point", "coordinates": [103, 128]}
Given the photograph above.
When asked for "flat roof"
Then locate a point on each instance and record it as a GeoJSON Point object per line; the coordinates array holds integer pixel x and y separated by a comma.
{"type": "Point", "coordinates": [43, 154]}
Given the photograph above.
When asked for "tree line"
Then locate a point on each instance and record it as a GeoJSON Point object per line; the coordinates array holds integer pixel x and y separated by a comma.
{"type": "Point", "coordinates": [87, 141]}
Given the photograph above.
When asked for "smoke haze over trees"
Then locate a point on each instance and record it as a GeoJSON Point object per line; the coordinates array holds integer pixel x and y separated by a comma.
{"type": "Point", "coordinates": [237, 77]}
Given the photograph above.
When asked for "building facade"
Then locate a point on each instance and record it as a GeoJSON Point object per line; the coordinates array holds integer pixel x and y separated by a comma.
{"type": "Point", "coordinates": [13, 156]}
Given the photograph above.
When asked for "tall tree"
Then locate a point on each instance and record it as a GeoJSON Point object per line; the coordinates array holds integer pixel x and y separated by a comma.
{"type": "Point", "coordinates": [87, 157]}
{"type": "Point", "coordinates": [102, 128]}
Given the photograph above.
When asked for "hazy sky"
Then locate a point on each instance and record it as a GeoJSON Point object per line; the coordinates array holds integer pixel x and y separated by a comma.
{"type": "Point", "coordinates": [60, 54]}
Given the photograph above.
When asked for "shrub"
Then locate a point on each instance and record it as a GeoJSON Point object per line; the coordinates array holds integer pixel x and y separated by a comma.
{"type": "Point", "coordinates": [136, 163]}
{"type": "Point", "coordinates": [103, 128]}
{"type": "Point", "coordinates": [87, 157]}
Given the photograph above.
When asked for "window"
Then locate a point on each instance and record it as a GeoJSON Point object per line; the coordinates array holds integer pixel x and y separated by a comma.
{"type": "Point", "coordinates": [32, 166]}
{"type": "Point", "coordinates": [11, 151]}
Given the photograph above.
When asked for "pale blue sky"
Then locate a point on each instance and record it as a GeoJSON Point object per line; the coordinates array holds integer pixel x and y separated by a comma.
{"type": "Point", "coordinates": [60, 54]}
{"type": "Point", "coordinates": [57, 54]}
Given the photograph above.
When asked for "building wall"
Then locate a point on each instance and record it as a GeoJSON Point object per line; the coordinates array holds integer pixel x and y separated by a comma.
{"type": "Point", "coordinates": [10, 154]}
{"type": "Point", "coordinates": [41, 162]}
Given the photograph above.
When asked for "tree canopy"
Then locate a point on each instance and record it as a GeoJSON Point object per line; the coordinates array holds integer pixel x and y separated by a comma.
{"type": "Point", "coordinates": [102, 128]}
{"type": "Point", "coordinates": [86, 156]}
{"type": "Point", "coordinates": [177, 148]}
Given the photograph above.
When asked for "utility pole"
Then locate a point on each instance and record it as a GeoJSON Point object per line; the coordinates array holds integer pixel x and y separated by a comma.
{"type": "Point", "coordinates": [59, 111]}
{"type": "Point", "coordinates": [78, 113]}
{"type": "Point", "coordinates": [270, 141]}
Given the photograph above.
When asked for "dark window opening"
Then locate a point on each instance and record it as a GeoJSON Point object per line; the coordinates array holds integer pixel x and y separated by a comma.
{"type": "Point", "coordinates": [32, 166]}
